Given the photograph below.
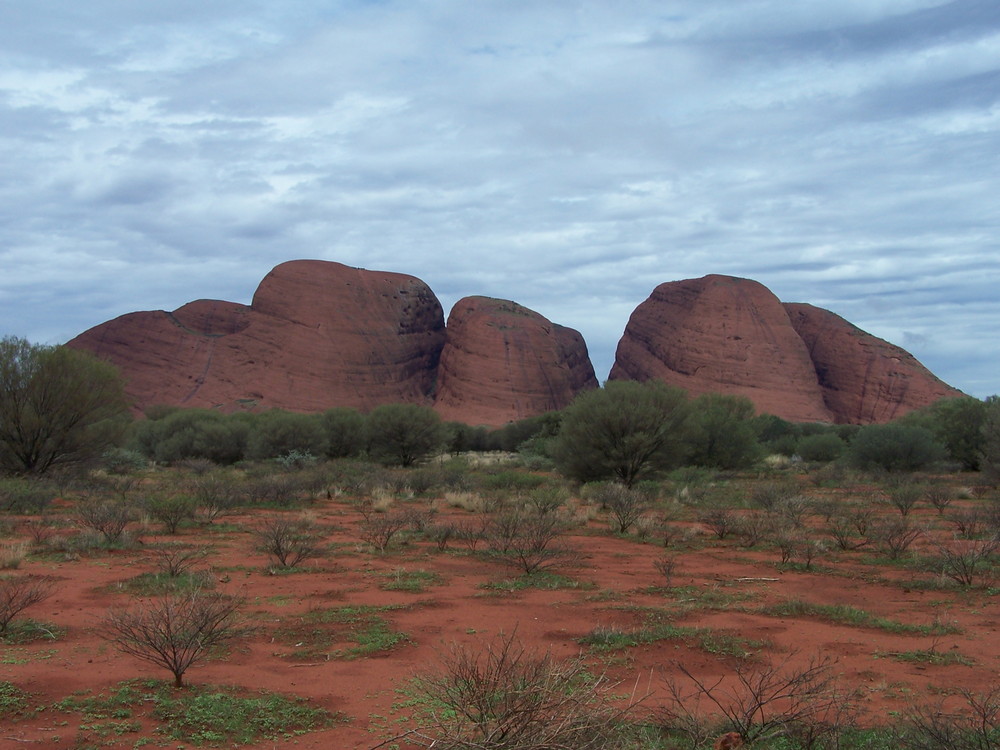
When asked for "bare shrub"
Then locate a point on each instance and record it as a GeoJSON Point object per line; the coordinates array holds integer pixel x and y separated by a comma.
{"type": "Point", "coordinates": [968, 523]}
{"type": "Point", "coordinates": [894, 536]}
{"type": "Point", "coordinates": [963, 562]}
{"type": "Point", "coordinates": [379, 529]}
{"type": "Point", "coordinates": [762, 702]}
{"type": "Point", "coordinates": [940, 496]}
{"type": "Point", "coordinates": [503, 697]}
{"type": "Point", "coordinates": [665, 566]}
{"type": "Point", "coordinates": [176, 632]}
{"type": "Point", "coordinates": [973, 726]}
{"type": "Point", "coordinates": [441, 534]}
{"type": "Point", "coordinates": [752, 529]}
{"type": "Point", "coordinates": [794, 510]}
{"type": "Point", "coordinates": [12, 554]}
{"type": "Point", "coordinates": [904, 497]}
{"type": "Point", "coordinates": [215, 497]}
{"type": "Point", "coordinates": [419, 519]}
{"type": "Point", "coordinates": [107, 517]}
{"type": "Point", "coordinates": [529, 541]}
{"type": "Point", "coordinates": [720, 521]}
{"type": "Point", "coordinates": [842, 530]}
{"type": "Point", "coordinates": [624, 504]}
{"type": "Point", "coordinates": [39, 529]}
{"type": "Point", "coordinates": [768, 495]}
{"type": "Point", "coordinates": [17, 593]}
{"type": "Point", "coordinates": [170, 510]}
{"type": "Point", "coordinates": [288, 542]}
{"type": "Point", "coordinates": [176, 560]}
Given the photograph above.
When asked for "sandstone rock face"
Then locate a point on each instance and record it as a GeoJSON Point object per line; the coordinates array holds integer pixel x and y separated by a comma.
{"type": "Point", "coordinates": [317, 335]}
{"type": "Point", "coordinates": [503, 362]}
{"type": "Point", "coordinates": [864, 379]}
{"type": "Point", "coordinates": [726, 335]}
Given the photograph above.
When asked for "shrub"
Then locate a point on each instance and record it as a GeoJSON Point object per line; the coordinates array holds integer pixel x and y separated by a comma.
{"type": "Point", "coordinates": [17, 593]}
{"type": "Point", "coordinates": [404, 434]}
{"type": "Point", "coordinates": [824, 447]}
{"type": "Point", "coordinates": [277, 433]}
{"type": "Point", "coordinates": [288, 542]}
{"type": "Point", "coordinates": [176, 632]}
{"type": "Point", "coordinates": [529, 541]}
{"type": "Point", "coordinates": [721, 433]}
{"type": "Point", "coordinates": [502, 696]}
{"type": "Point", "coordinates": [107, 517]}
{"type": "Point", "coordinates": [894, 447]}
{"type": "Point", "coordinates": [170, 510]}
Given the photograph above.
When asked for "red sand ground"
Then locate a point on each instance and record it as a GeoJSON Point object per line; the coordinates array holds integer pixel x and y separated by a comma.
{"type": "Point", "coordinates": [620, 575]}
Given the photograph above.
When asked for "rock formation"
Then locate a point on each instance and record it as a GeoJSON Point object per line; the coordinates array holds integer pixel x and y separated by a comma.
{"type": "Point", "coordinates": [731, 335]}
{"type": "Point", "coordinates": [503, 362]}
{"type": "Point", "coordinates": [722, 334]}
{"type": "Point", "coordinates": [864, 379]}
{"type": "Point", "coordinates": [317, 335]}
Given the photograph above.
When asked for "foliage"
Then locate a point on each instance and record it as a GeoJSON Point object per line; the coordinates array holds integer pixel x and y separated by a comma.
{"type": "Point", "coordinates": [503, 696]}
{"type": "Point", "coordinates": [176, 631]}
{"type": "Point", "coordinates": [894, 447]}
{"type": "Point", "coordinates": [277, 433]}
{"type": "Point", "coordinates": [721, 432]}
{"type": "Point", "coordinates": [108, 517]}
{"type": "Point", "coordinates": [345, 432]}
{"type": "Point", "coordinates": [625, 431]}
{"type": "Point", "coordinates": [404, 434]}
{"type": "Point", "coordinates": [58, 407]}
{"type": "Point", "coordinates": [957, 425]}
{"type": "Point", "coordinates": [990, 454]}
{"type": "Point", "coordinates": [170, 510]}
{"type": "Point", "coordinates": [25, 494]}
{"type": "Point", "coordinates": [822, 447]}
{"type": "Point", "coordinates": [179, 434]}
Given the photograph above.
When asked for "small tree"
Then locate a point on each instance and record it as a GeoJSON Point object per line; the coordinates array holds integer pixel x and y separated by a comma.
{"type": "Point", "coordinates": [722, 432]}
{"type": "Point", "coordinates": [170, 510]}
{"type": "Point", "coordinates": [894, 447]}
{"type": "Point", "coordinates": [107, 517]}
{"type": "Point", "coordinates": [17, 593]}
{"type": "Point", "coordinates": [624, 431]}
{"type": "Point", "coordinates": [58, 407]}
{"type": "Point", "coordinates": [990, 450]}
{"type": "Point", "coordinates": [404, 434]}
{"type": "Point", "coordinates": [176, 632]}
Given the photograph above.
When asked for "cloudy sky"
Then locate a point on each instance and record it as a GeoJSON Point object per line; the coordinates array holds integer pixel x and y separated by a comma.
{"type": "Point", "coordinates": [567, 155]}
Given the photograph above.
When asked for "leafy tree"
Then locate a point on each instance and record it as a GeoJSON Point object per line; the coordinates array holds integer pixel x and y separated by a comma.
{"type": "Point", "coordinates": [345, 432]}
{"type": "Point", "coordinates": [58, 407]}
{"type": "Point", "coordinates": [625, 431]}
{"type": "Point", "coordinates": [404, 434]}
{"type": "Point", "coordinates": [957, 424]}
{"type": "Point", "coordinates": [896, 446]}
{"type": "Point", "coordinates": [722, 432]}
{"type": "Point", "coordinates": [278, 432]}
{"type": "Point", "coordinates": [990, 455]}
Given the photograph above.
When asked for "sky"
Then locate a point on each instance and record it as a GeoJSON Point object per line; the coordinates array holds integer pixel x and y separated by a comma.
{"type": "Point", "coordinates": [567, 155]}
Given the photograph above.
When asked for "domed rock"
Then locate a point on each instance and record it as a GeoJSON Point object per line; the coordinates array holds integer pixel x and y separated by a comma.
{"type": "Point", "coordinates": [503, 362]}
{"type": "Point", "coordinates": [318, 334]}
{"type": "Point", "coordinates": [726, 335]}
{"type": "Point", "coordinates": [864, 379]}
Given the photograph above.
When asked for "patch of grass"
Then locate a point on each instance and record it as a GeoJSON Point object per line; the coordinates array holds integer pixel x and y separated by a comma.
{"type": "Point", "coordinates": [695, 597]}
{"type": "Point", "coordinates": [542, 580]}
{"type": "Point", "coordinates": [605, 639]}
{"type": "Point", "coordinates": [411, 581]}
{"type": "Point", "coordinates": [931, 656]}
{"type": "Point", "coordinates": [201, 715]}
{"type": "Point", "coordinates": [155, 584]}
{"type": "Point", "coordinates": [13, 701]}
{"type": "Point", "coordinates": [316, 633]}
{"type": "Point", "coordinates": [844, 614]}
{"type": "Point", "coordinates": [28, 631]}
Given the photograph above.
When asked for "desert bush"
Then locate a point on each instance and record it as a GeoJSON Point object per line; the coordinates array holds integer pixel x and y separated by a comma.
{"type": "Point", "coordinates": [215, 496]}
{"type": "Point", "coordinates": [288, 542]}
{"type": "Point", "coordinates": [123, 461]}
{"type": "Point", "coordinates": [752, 528]}
{"type": "Point", "coordinates": [528, 541]}
{"type": "Point", "coordinates": [176, 632]}
{"type": "Point", "coordinates": [17, 593]}
{"type": "Point", "coordinates": [26, 495]}
{"type": "Point", "coordinates": [379, 529]}
{"type": "Point", "coordinates": [721, 433]}
{"type": "Point", "coordinates": [666, 567]}
{"type": "Point", "coordinates": [625, 505]}
{"type": "Point", "coordinates": [894, 536]}
{"type": "Point", "coordinates": [504, 697]}
{"type": "Point", "coordinates": [176, 560]}
{"type": "Point", "coordinates": [441, 534]}
{"type": "Point", "coordinates": [905, 496]}
{"type": "Point", "coordinates": [824, 447]}
{"type": "Point", "coordinates": [968, 522]}
{"type": "Point", "coordinates": [345, 432]}
{"type": "Point", "coordinates": [12, 554]}
{"type": "Point", "coordinates": [170, 510]}
{"type": "Point", "coordinates": [989, 452]}
{"type": "Point", "coordinates": [843, 531]}
{"type": "Point", "coordinates": [972, 726]}
{"type": "Point", "coordinates": [280, 433]}
{"type": "Point", "coordinates": [109, 518]}
{"type": "Point", "coordinates": [184, 434]}
{"type": "Point", "coordinates": [762, 702]}
{"type": "Point", "coordinates": [720, 521]}
{"type": "Point", "coordinates": [768, 495]}
{"type": "Point", "coordinates": [963, 562]}
{"type": "Point", "coordinates": [940, 496]}
{"type": "Point", "coordinates": [894, 447]}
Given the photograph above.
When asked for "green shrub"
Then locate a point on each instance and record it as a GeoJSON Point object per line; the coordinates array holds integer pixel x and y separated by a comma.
{"type": "Point", "coordinates": [824, 447]}
{"type": "Point", "coordinates": [894, 447]}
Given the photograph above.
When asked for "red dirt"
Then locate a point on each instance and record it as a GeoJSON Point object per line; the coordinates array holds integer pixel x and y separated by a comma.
{"type": "Point", "coordinates": [623, 578]}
